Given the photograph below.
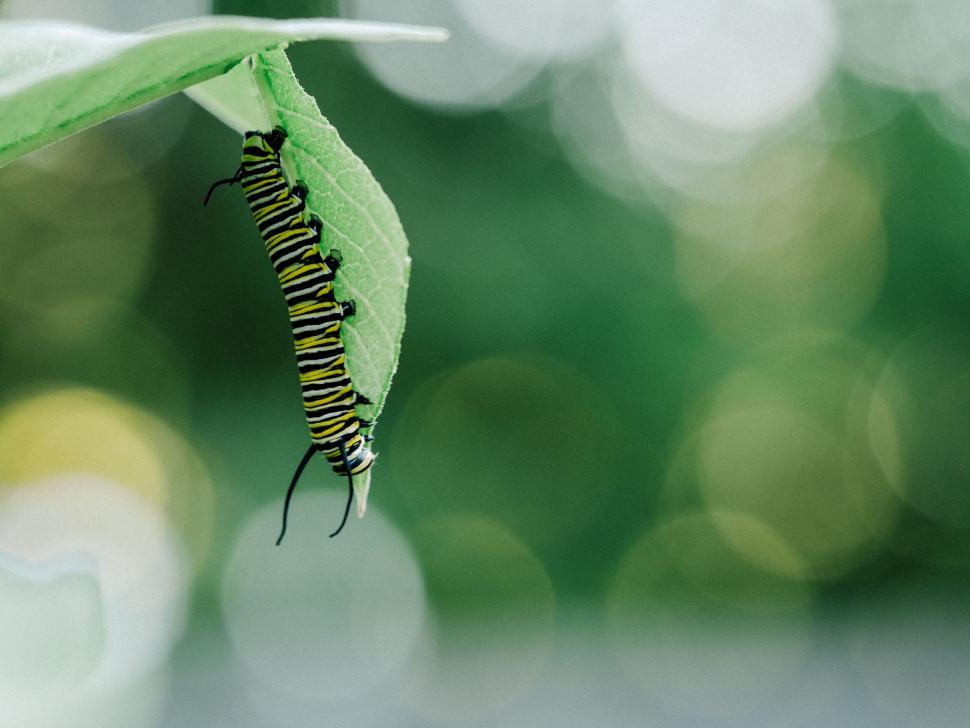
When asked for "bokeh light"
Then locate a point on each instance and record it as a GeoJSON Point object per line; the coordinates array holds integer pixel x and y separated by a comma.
{"type": "Point", "coordinates": [813, 254]}
{"type": "Point", "coordinates": [948, 113]}
{"type": "Point", "coordinates": [75, 429]}
{"type": "Point", "coordinates": [915, 45]}
{"type": "Point", "coordinates": [850, 110]}
{"type": "Point", "coordinates": [787, 441]}
{"type": "Point", "coordinates": [524, 432]}
{"type": "Point", "coordinates": [702, 631]}
{"type": "Point", "coordinates": [730, 65]}
{"type": "Point", "coordinates": [785, 467]}
{"type": "Point", "coordinates": [667, 149]}
{"type": "Point", "coordinates": [326, 620]}
{"type": "Point", "coordinates": [50, 630]}
{"type": "Point", "coordinates": [923, 449]}
{"type": "Point", "coordinates": [590, 134]}
{"type": "Point", "coordinates": [80, 430]}
{"type": "Point", "coordinates": [467, 73]}
{"type": "Point", "coordinates": [492, 632]}
{"type": "Point", "coordinates": [111, 14]}
{"type": "Point", "coordinates": [543, 29]}
{"type": "Point", "coordinates": [141, 575]}
{"type": "Point", "coordinates": [137, 704]}
{"type": "Point", "coordinates": [55, 265]}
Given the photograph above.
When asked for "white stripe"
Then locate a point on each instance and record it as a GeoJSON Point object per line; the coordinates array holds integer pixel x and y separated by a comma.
{"type": "Point", "coordinates": [316, 320]}
{"type": "Point", "coordinates": [328, 385]}
{"type": "Point", "coordinates": [317, 408]}
{"type": "Point", "coordinates": [324, 418]}
{"type": "Point", "coordinates": [292, 295]}
{"type": "Point", "coordinates": [308, 276]}
{"type": "Point", "coordinates": [287, 221]}
{"type": "Point", "coordinates": [309, 327]}
{"type": "Point", "coordinates": [320, 350]}
{"type": "Point", "coordinates": [266, 198]}
{"type": "Point", "coordinates": [334, 308]}
{"type": "Point", "coordinates": [325, 362]}
{"type": "Point", "coordinates": [298, 250]}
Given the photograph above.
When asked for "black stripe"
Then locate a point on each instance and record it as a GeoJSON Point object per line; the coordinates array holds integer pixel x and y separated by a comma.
{"type": "Point", "coordinates": [322, 388]}
{"type": "Point", "coordinates": [319, 362]}
{"type": "Point", "coordinates": [288, 216]}
{"type": "Point", "coordinates": [317, 318]}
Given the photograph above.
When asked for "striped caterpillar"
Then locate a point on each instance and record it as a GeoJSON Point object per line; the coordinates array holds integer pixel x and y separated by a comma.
{"type": "Point", "coordinates": [307, 277]}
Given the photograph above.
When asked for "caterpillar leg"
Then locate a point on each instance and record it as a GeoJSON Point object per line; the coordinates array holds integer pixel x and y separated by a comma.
{"type": "Point", "coordinates": [332, 262]}
{"type": "Point", "coordinates": [299, 191]}
{"type": "Point", "coordinates": [361, 399]}
{"type": "Point", "coordinates": [333, 259]}
{"type": "Point", "coordinates": [348, 308]}
{"type": "Point", "coordinates": [289, 492]}
{"type": "Point", "coordinates": [350, 489]}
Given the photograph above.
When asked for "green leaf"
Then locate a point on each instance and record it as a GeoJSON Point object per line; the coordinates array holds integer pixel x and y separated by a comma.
{"type": "Point", "coordinates": [57, 79]}
{"type": "Point", "coordinates": [233, 99]}
{"type": "Point", "coordinates": [359, 220]}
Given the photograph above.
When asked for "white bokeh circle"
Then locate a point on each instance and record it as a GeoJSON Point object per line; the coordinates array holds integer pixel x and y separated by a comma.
{"type": "Point", "coordinates": [730, 64]}
{"type": "Point", "coordinates": [326, 620]}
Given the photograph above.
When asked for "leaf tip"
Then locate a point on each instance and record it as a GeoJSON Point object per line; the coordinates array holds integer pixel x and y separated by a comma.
{"type": "Point", "coordinates": [438, 35]}
{"type": "Point", "coordinates": [361, 489]}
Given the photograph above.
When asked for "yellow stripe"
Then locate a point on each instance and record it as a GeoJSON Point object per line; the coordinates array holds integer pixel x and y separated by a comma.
{"type": "Point", "coordinates": [329, 399]}
{"type": "Point", "coordinates": [261, 182]}
{"type": "Point", "coordinates": [315, 340]}
{"type": "Point", "coordinates": [329, 432]}
{"type": "Point", "coordinates": [293, 273]}
{"type": "Point", "coordinates": [272, 208]}
{"type": "Point", "coordinates": [318, 375]}
{"type": "Point", "coordinates": [311, 306]}
{"type": "Point", "coordinates": [349, 447]}
{"type": "Point", "coordinates": [292, 232]}
{"type": "Point", "coordinates": [326, 427]}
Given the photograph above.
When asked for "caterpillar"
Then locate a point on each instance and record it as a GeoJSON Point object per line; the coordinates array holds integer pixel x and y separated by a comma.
{"type": "Point", "coordinates": [307, 277]}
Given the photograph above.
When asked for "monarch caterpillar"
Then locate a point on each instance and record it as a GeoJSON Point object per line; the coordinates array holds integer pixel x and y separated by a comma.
{"type": "Point", "coordinates": [306, 277]}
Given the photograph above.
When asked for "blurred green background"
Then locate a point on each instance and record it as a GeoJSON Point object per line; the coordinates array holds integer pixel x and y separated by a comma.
{"type": "Point", "coordinates": [679, 434]}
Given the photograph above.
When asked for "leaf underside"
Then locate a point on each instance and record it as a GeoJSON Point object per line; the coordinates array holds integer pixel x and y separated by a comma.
{"type": "Point", "coordinates": [57, 79]}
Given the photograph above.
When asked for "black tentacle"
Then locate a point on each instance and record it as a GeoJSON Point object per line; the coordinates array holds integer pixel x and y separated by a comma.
{"type": "Point", "coordinates": [237, 177]}
{"type": "Point", "coordinates": [350, 489]}
{"type": "Point", "coordinates": [289, 492]}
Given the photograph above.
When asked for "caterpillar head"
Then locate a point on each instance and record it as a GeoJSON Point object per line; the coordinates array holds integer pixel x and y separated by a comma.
{"type": "Point", "coordinates": [268, 141]}
{"type": "Point", "coordinates": [275, 138]}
